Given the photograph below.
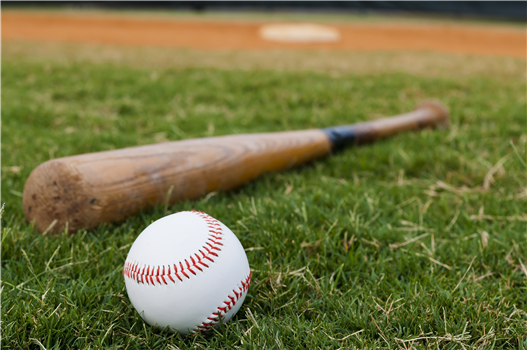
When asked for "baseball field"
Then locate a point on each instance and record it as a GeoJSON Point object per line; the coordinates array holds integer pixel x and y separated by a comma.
{"type": "Point", "coordinates": [414, 241]}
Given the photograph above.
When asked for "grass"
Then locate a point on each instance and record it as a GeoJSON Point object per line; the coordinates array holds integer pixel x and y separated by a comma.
{"type": "Point", "coordinates": [414, 241]}
{"type": "Point", "coordinates": [333, 63]}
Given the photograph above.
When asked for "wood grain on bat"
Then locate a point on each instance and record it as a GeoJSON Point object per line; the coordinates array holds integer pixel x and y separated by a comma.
{"type": "Point", "coordinates": [85, 190]}
{"type": "Point", "coordinates": [88, 189]}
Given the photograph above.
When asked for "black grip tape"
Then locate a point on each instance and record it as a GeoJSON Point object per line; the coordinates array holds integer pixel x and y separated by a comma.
{"type": "Point", "coordinates": [340, 136]}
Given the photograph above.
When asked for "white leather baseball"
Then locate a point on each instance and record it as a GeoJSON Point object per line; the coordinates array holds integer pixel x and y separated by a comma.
{"type": "Point", "coordinates": [186, 271]}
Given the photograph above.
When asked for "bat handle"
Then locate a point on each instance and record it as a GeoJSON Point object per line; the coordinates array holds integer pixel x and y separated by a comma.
{"type": "Point", "coordinates": [428, 113]}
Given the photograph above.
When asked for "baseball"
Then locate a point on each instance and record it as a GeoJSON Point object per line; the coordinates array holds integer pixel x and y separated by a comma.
{"type": "Point", "coordinates": [187, 271]}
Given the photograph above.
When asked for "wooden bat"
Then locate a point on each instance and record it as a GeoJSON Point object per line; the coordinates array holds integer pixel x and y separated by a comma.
{"type": "Point", "coordinates": [84, 190]}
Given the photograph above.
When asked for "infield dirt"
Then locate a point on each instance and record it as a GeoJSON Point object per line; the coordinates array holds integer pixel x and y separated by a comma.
{"type": "Point", "coordinates": [243, 35]}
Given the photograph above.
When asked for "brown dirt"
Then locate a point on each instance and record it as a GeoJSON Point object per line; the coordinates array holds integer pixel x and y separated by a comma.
{"type": "Point", "coordinates": [221, 35]}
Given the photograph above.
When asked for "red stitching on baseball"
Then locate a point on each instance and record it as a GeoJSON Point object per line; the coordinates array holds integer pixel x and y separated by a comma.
{"type": "Point", "coordinates": [134, 271]}
{"type": "Point", "coordinates": [221, 311]}
{"type": "Point", "coordinates": [215, 242]}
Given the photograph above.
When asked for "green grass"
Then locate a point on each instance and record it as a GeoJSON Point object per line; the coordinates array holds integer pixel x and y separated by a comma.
{"type": "Point", "coordinates": [422, 235]}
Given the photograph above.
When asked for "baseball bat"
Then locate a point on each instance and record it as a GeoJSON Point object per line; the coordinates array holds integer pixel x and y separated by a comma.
{"type": "Point", "coordinates": [85, 190]}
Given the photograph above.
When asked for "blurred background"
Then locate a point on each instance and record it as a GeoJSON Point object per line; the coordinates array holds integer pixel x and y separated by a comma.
{"type": "Point", "coordinates": [507, 10]}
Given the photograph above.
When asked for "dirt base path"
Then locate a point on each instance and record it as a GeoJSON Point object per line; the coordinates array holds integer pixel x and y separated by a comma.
{"type": "Point", "coordinates": [222, 35]}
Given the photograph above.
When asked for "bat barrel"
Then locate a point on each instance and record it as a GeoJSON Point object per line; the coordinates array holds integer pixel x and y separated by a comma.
{"type": "Point", "coordinates": [85, 190]}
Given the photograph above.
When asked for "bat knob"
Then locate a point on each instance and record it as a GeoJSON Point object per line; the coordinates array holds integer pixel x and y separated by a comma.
{"type": "Point", "coordinates": [439, 110]}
